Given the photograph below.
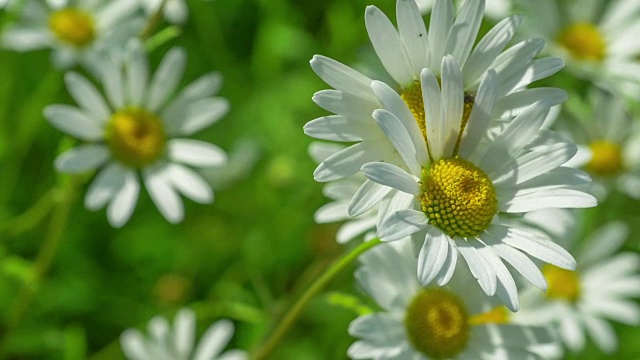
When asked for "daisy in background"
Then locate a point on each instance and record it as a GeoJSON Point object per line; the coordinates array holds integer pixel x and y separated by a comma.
{"type": "Point", "coordinates": [469, 188]}
{"type": "Point", "coordinates": [404, 52]}
{"type": "Point", "coordinates": [495, 9]}
{"type": "Point", "coordinates": [174, 11]}
{"type": "Point", "coordinates": [600, 290]}
{"type": "Point", "coordinates": [76, 31]}
{"type": "Point", "coordinates": [177, 342]}
{"type": "Point", "coordinates": [137, 133]}
{"type": "Point", "coordinates": [452, 322]}
{"type": "Point", "coordinates": [598, 39]}
{"type": "Point", "coordinates": [609, 142]}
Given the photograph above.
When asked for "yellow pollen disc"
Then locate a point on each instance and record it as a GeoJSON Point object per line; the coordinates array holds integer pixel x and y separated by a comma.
{"type": "Point", "coordinates": [583, 41]}
{"type": "Point", "coordinates": [436, 323]}
{"type": "Point", "coordinates": [497, 315]}
{"type": "Point", "coordinates": [458, 197]}
{"type": "Point", "coordinates": [412, 96]}
{"type": "Point", "coordinates": [73, 26]}
{"type": "Point", "coordinates": [562, 284]}
{"type": "Point", "coordinates": [136, 137]}
{"type": "Point", "coordinates": [606, 159]}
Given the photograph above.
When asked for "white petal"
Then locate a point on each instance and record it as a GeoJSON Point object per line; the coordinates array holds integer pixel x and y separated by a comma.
{"type": "Point", "coordinates": [603, 242]}
{"type": "Point", "coordinates": [388, 46]}
{"type": "Point", "coordinates": [464, 31]}
{"type": "Point", "coordinates": [104, 186]}
{"type": "Point", "coordinates": [601, 333]}
{"type": "Point", "coordinates": [124, 200]}
{"type": "Point", "coordinates": [87, 96]}
{"type": "Point", "coordinates": [196, 153]}
{"type": "Point", "coordinates": [480, 117]}
{"type": "Point", "coordinates": [82, 158]}
{"type": "Point", "coordinates": [354, 228]}
{"type": "Point", "coordinates": [348, 161]}
{"type": "Point", "coordinates": [166, 78]}
{"type": "Point", "coordinates": [391, 175]}
{"type": "Point", "coordinates": [161, 191]}
{"type": "Point", "coordinates": [113, 83]}
{"type": "Point", "coordinates": [74, 122]}
{"type": "Point", "coordinates": [137, 73]}
{"type": "Point", "coordinates": [339, 128]}
{"type": "Point", "coordinates": [366, 197]}
{"type": "Point", "coordinates": [399, 137]}
{"type": "Point", "coordinates": [572, 333]}
{"type": "Point", "coordinates": [184, 331]}
{"type": "Point", "coordinates": [402, 223]}
{"type": "Point", "coordinates": [196, 115]}
{"type": "Point", "coordinates": [441, 22]}
{"type": "Point", "coordinates": [413, 34]}
{"type": "Point", "coordinates": [434, 115]}
{"type": "Point", "coordinates": [214, 340]}
{"type": "Point", "coordinates": [506, 286]}
{"type": "Point", "coordinates": [190, 184]}
{"type": "Point", "coordinates": [331, 212]}
{"type": "Point", "coordinates": [340, 76]}
{"type": "Point", "coordinates": [133, 345]}
{"type": "Point", "coordinates": [432, 255]}
{"type": "Point", "coordinates": [479, 267]}
{"type": "Point", "coordinates": [452, 103]}
{"type": "Point", "coordinates": [27, 39]}
{"type": "Point", "coordinates": [449, 265]}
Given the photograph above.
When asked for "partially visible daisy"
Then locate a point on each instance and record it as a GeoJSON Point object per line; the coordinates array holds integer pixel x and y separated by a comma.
{"type": "Point", "coordinates": [404, 52]}
{"type": "Point", "coordinates": [495, 9]}
{"type": "Point", "coordinates": [452, 322]}
{"type": "Point", "coordinates": [76, 31]}
{"type": "Point", "coordinates": [600, 290]}
{"type": "Point", "coordinates": [174, 11]}
{"type": "Point", "coordinates": [598, 39]}
{"type": "Point", "coordinates": [177, 342]}
{"type": "Point", "coordinates": [340, 192]}
{"type": "Point", "coordinates": [138, 134]}
{"type": "Point", "coordinates": [469, 187]}
{"type": "Point", "coordinates": [609, 142]}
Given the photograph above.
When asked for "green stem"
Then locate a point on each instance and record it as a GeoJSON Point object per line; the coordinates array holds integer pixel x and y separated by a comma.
{"type": "Point", "coordinates": [153, 23]}
{"type": "Point", "coordinates": [46, 254]}
{"type": "Point", "coordinates": [30, 218]}
{"type": "Point", "coordinates": [292, 315]}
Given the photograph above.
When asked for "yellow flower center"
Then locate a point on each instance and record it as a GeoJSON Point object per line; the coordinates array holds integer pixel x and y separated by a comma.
{"type": "Point", "coordinates": [562, 284]}
{"type": "Point", "coordinates": [497, 315]}
{"type": "Point", "coordinates": [458, 197]}
{"type": "Point", "coordinates": [136, 137]}
{"type": "Point", "coordinates": [436, 323]}
{"type": "Point", "coordinates": [73, 26]}
{"type": "Point", "coordinates": [606, 158]}
{"type": "Point", "coordinates": [584, 41]}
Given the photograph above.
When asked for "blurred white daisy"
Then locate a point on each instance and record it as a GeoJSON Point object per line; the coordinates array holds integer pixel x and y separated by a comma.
{"type": "Point", "coordinates": [586, 300]}
{"type": "Point", "coordinates": [6, 3]}
{"type": "Point", "coordinates": [404, 52]}
{"type": "Point", "coordinates": [452, 322]}
{"type": "Point", "coordinates": [597, 38]}
{"type": "Point", "coordinates": [609, 142]}
{"type": "Point", "coordinates": [174, 11]}
{"type": "Point", "coordinates": [495, 9]}
{"type": "Point", "coordinates": [76, 31]}
{"type": "Point", "coordinates": [467, 184]}
{"type": "Point", "coordinates": [137, 132]}
{"type": "Point", "coordinates": [177, 342]}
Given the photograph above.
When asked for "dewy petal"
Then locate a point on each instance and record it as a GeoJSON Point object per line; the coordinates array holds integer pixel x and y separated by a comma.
{"type": "Point", "coordinates": [196, 153]}
{"type": "Point", "coordinates": [124, 200]}
{"type": "Point", "coordinates": [391, 175]}
{"type": "Point", "coordinates": [402, 223]}
{"type": "Point", "coordinates": [452, 103]}
{"type": "Point", "coordinates": [166, 78]}
{"type": "Point", "coordinates": [441, 22]}
{"type": "Point", "coordinates": [74, 122]}
{"type": "Point", "coordinates": [435, 122]}
{"type": "Point", "coordinates": [399, 137]}
{"type": "Point", "coordinates": [82, 158]}
{"type": "Point", "coordinates": [87, 96]}
{"type": "Point", "coordinates": [464, 31]}
{"type": "Point", "coordinates": [340, 76]}
{"type": "Point", "coordinates": [160, 188]}
{"type": "Point", "coordinates": [432, 255]}
{"type": "Point", "coordinates": [387, 44]}
{"type": "Point", "coordinates": [137, 73]}
{"type": "Point", "coordinates": [214, 340]}
{"type": "Point", "coordinates": [413, 34]}
{"type": "Point", "coordinates": [366, 197]}
{"type": "Point", "coordinates": [190, 184]}
{"type": "Point", "coordinates": [184, 331]}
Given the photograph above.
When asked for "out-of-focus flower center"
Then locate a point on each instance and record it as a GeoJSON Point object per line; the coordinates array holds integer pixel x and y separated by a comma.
{"type": "Point", "coordinates": [73, 26]}
{"type": "Point", "coordinates": [458, 197]}
{"type": "Point", "coordinates": [436, 323]}
{"type": "Point", "coordinates": [412, 96]}
{"type": "Point", "coordinates": [562, 284]}
{"type": "Point", "coordinates": [606, 158]}
{"type": "Point", "coordinates": [497, 315]}
{"type": "Point", "coordinates": [584, 41]}
{"type": "Point", "coordinates": [136, 137]}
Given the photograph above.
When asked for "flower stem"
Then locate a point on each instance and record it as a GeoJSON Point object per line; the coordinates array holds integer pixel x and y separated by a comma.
{"type": "Point", "coordinates": [292, 315]}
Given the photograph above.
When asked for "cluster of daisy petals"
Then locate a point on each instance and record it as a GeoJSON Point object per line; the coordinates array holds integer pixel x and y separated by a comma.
{"type": "Point", "coordinates": [453, 166]}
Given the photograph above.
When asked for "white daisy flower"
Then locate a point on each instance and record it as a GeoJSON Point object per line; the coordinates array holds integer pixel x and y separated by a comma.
{"type": "Point", "coordinates": [452, 322]}
{"type": "Point", "coordinates": [177, 342]}
{"type": "Point", "coordinates": [340, 192]}
{"type": "Point", "coordinates": [583, 301]}
{"type": "Point", "coordinates": [77, 31]}
{"type": "Point", "coordinates": [137, 132]}
{"type": "Point", "coordinates": [495, 9]}
{"type": "Point", "coordinates": [609, 142]}
{"type": "Point", "coordinates": [598, 39]}
{"type": "Point", "coordinates": [468, 187]}
{"type": "Point", "coordinates": [404, 52]}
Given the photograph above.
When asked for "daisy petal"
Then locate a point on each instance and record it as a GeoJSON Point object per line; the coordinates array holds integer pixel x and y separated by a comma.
{"type": "Point", "coordinates": [366, 197]}
{"type": "Point", "coordinates": [399, 137]}
{"type": "Point", "coordinates": [464, 31]}
{"type": "Point", "coordinates": [82, 158]}
{"type": "Point", "coordinates": [166, 78]}
{"type": "Point", "coordinates": [401, 224]}
{"type": "Point", "coordinates": [434, 114]}
{"type": "Point", "coordinates": [137, 73]}
{"type": "Point", "coordinates": [190, 184]}
{"type": "Point", "coordinates": [87, 96]}
{"type": "Point", "coordinates": [184, 331]}
{"type": "Point", "coordinates": [214, 340]}
{"type": "Point", "coordinates": [391, 175]}
{"type": "Point", "coordinates": [479, 267]}
{"type": "Point", "coordinates": [161, 191]}
{"type": "Point", "coordinates": [432, 255]}
{"type": "Point", "coordinates": [74, 122]}
{"type": "Point", "coordinates": [348, 161]}
{"type": "Point", "coordinates": [196, 116]}
{"type": "Point", "coordinates": [449, 265]}
{"type": "Point", "coordinates": [340, 76]}
{"type": "Point", "coordinates": [124, 200]}
{"type": "Point", "coordinates": [413, 34]}
{"type": "Point", "coordinates": [196, 153]}
{"type": "Point", "coordinates": [439, 28]}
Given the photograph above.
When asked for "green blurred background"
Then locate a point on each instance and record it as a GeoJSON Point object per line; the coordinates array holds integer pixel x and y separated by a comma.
{"type": "Point", "coordinates": [246, 256]}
